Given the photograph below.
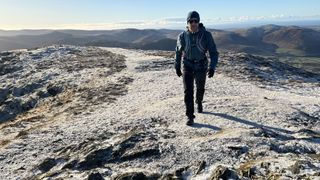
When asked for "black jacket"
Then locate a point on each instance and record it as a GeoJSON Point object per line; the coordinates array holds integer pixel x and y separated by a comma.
{"type": "Point", "coordinates": [192, 47]}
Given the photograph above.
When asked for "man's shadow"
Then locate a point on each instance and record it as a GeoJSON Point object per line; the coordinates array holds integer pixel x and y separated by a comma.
{"type": "Point", "coordinates": [199, 125]}
{"type": "Point", "coordinates": [250, 123]}
{"type": "Point", "coordinates": [273, 131]}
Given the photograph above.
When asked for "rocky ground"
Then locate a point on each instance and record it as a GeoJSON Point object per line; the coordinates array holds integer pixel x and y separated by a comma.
{"type": "Point", "coordinates": [71, 112]}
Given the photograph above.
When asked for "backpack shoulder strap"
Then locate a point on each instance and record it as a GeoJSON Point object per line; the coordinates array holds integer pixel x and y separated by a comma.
{"type": "Point", "coordinates": [186, 41]}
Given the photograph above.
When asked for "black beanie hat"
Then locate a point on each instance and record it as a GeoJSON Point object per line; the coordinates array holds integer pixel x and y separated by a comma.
{"type": "Point", "coordinates": [193, 14]}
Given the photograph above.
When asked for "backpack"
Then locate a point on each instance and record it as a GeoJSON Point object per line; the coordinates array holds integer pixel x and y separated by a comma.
{"type": "Point", "coordinates": [199, 45]}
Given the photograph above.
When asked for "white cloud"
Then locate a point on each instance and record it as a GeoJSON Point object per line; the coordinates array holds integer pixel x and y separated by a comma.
{"type": "Point", "coordinates": [171, 22]}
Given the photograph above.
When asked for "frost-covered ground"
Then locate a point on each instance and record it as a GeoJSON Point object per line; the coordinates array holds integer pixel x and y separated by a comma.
{"type": "Point", "coordinates": [95, 113]}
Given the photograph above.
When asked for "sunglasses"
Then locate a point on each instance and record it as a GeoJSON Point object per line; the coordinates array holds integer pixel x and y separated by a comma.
{"type": "Point", "coordinates": [193, 21]}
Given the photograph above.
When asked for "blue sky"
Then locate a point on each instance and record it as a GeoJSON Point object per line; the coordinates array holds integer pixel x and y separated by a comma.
{"type": "Point", "coordinates": [98, 14]}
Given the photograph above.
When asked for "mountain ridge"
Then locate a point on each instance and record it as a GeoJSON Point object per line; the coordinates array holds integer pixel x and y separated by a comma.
{"type": "Point", "coordinates": [263, 40]}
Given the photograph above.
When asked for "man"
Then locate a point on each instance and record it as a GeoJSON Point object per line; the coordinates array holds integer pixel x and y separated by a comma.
{"type": "Point", "coordinates": [192, 47]}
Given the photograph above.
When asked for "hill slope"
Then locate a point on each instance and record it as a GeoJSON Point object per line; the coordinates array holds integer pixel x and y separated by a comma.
{"type": "Point", "coordinates": [292, 40]}
{"type": "Point", "coordinates": [111, 112]}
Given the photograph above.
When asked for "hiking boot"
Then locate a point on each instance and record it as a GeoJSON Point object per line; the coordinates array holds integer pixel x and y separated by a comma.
{"type": "Point", "coordinates": [200, 108]}
{"type": "Point", "coordinates": [190, 120]}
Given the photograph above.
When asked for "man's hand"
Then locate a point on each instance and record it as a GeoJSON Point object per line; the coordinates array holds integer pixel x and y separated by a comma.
{"type": "Point", "coordinates": [178, 72]}
{"type": "Point", "coordinates": [210, 73]}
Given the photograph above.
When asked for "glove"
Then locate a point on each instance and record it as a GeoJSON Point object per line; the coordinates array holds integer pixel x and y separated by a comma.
{"type": "Point", "coordinates": [210, 73]}
{"type": "Point", "coordinates": [178, 72]}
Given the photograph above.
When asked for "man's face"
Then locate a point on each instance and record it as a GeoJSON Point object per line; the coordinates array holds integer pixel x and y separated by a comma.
{"type": "Point", "coordinates": [193, 24]}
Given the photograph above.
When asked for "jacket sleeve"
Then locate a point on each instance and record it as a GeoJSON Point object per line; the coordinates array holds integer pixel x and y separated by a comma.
{"type": "Point", "coordinates": [179, 49]}
{"type": "Point", "coordinates": [214, 54]}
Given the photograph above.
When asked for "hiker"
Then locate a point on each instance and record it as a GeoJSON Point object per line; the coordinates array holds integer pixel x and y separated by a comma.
{"type": "Point", "coordinates": [192, 47]}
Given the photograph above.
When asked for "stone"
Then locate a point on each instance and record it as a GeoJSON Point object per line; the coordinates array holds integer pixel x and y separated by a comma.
{"type": "Point", "coordinates": [222, 172]}
{"type": "Point", "coordinates": [53, 90]}
{"type": "Point", "coordinates": [131, 176]}
{"type": "Point", "coordinates": [47, 164]}
{"type": "Point", "coordinates": [4, 94]}
{"type": "Point", "coordinates": [96, 158]}
{"type": "Point", "coordinates": [95, 176]}
{"type": "Point", "coordinates": [201, 166]}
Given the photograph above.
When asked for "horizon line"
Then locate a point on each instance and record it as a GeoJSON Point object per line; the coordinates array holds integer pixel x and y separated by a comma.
{"type": "Point", "coordinates": [171, 23]}
{"type": "Point", "coordinates": [240, 26]}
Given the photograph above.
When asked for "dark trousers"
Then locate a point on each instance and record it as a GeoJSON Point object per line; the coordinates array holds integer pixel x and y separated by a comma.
{"type": "Point", "coordinates": [189, 76]}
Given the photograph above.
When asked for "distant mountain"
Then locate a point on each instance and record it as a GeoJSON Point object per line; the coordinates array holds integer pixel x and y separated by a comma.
{"type": "Point", "coordinates": [31, 41]}
{"type": "Point", "coordinates": [24, 32]}
{"type": "Point", "coordinates": [317, 28]}
{"type": "Point", "coordinates": [8, 44]}
{"type": "Point", "coordinates": [164, 44]}
{"type": "Point", "coordinates": [295, 40]}
{"type": "Point", "coordinates": [284, 40]}
{"type": "Point", "coordinates": [263, 40]}
{"type": "Point", "coordinates": [234, 41]}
